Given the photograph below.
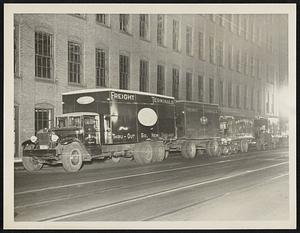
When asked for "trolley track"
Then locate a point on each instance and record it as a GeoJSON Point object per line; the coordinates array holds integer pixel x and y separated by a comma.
{"type": "Point", "coordinates": [113, 192]}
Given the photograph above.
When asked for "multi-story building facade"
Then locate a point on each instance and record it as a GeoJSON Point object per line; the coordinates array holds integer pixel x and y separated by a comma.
{"type": "Point", "coordinates": [235, 61]}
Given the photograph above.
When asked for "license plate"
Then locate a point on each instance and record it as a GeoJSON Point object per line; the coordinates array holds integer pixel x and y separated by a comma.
{"type": "Point", "coordinates": [44, 147]}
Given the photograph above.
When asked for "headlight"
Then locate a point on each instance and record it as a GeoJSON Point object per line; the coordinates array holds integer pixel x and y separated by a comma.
{"type": "Point", "coordinates": [54, 137]}
{"type": "Point", "coordinates": [33, 139]}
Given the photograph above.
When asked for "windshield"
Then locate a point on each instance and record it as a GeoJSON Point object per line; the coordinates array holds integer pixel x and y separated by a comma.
{"type": "Point", "coordinates": [61, 122]}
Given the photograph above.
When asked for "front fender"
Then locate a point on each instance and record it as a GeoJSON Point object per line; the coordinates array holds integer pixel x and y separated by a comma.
{"type": "Point", "coordinates": [27, 142]}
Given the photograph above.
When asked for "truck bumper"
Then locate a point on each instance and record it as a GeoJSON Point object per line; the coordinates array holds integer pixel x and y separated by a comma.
{"type": "Point", "coordinates": [43, 154]}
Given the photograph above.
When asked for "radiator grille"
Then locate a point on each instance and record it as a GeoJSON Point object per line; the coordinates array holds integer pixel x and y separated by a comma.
{"type": "Point", "coordinates": [43, 138]}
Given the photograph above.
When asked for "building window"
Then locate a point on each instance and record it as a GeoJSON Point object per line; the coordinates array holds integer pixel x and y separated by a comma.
{"type": "Point", "coordinates": [189, 41]}
{"type": "Point", "coordinates": [175, 87]}
{"type": "Point", "coordinates": [211, 90]}
{"type": "Point", "coordinates": [230, 57]}
{"type": "Point", "coordinates": [252, 98]}
{"type": "Point", "coordinates": [211, 49]}
{"type": "Point", "coordinates": [258, 68]}
{"type": "Point", "coordinates": [175, 35]}
{"type": "Point", "coordinates": [253, 36]}
{"type": "Point", "coordinates": [258, 34]}
{"type": "Point", "coordinates": [124, 71]}
{"type": "Point", "coordinates": [103, 19]}
{"type": "Point", "coordinates": [201, 45]}
{"type": "Point", "coordinates": [237, 96]}
{"type": "Point", "coordinates": [272, 105]}
{"type": "Point", "coordinates": [160, 79]}
{"type": "Point", "coordinates": [221, 87]}
{"type": "Point", "coordinates": [245, 26]}
{"type": "Point", "coordinates": [245, 96]}
{"type": "Point", "coordinates": [124, 22]}
{"type": "Point", "coordinates": [238, 61]}
{"type": "Point", "coordinates": [252, 66]}
{"type": "Point", "coordinates": [43, 118]}
{"type": "Point", "coordinates": [144, 75]}
{"type": "Point", "coordinates": [160, 29]}
{"type": "Point", "coordinates": [200, 88]}
{"type": "Point", "coordinates": [238, 24]}
{"type": "Point", "coordinates": [144, 26]}
{"type": "Point", "coordinates": [220, 56]}
{"type": "Point", "coordinates": [230, 17]}
{"type": "Point", "coordinates": [189, 86]}
{"type": "Point", "coordinates": [221, 20]}
{"type": "Point", "coordinates": [258, 102]}
{"type": "Point", "coordinates": [229, 94]}
{"type": "Point", "coordinates": [268, 102]}
{"type": "Point", "coordinates": [212, 17]}
{"type": "Point", "coordinates": [74, 61]}
{"type": "Point", "coordinates": [245, 63]}
{"type": "Point", "coordinates": [101, 59]}
{"type": "Point", "coordinates": [16, 49]}
{"type": "Point", "coordinates": [43, 55]}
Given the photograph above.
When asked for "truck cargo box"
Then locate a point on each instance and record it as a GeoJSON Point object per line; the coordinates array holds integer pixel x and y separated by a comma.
{"type": "Point", "coordinates": [197, 120]}
{"type": "Point", "coordinates": [125, 116]}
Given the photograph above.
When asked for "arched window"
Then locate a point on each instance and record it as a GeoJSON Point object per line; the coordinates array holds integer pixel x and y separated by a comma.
{"type": "Point", "coordinates": [43, 116]}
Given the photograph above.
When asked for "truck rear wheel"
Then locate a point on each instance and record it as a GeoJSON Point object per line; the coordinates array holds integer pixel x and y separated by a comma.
{"type": "Point", "coordinates": [188, 149]}
{"type": "Point", "coordinates": [143, 153]}
{"type": "Point", "coordinates": [72, 157]}
{"type": "Point", "coordinates": [159, 152]}
{"type": "Point", "coordinates": [213, 148]}
{"type": "Point", "coordinates": [244, 146]}
{"type": "Point", "coordinates": [31, 164]}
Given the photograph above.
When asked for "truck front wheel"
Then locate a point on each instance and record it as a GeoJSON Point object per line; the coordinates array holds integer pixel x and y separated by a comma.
{"type": "Point", "coordinates": [143, 152]}
{"type": "Point", "coordinates": [72, 157]}
{"type": "Point", "coordinates": [31, 164]}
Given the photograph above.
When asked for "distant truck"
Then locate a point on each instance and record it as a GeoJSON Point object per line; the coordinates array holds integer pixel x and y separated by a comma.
{"type": "Point", "coordinates": [236, 133]}
{"type": "Point", "coordinates": [112, 123]}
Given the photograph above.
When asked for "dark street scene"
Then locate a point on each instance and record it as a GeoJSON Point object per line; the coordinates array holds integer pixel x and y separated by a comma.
{"type": "Point", "coordinates": [152, 118]}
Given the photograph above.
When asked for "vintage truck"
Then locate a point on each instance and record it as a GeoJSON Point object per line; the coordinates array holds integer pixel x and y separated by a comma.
{"type": "Point", "coordinates": [104, 123]}
{"type": "Point", "coordinates": [112, 123]}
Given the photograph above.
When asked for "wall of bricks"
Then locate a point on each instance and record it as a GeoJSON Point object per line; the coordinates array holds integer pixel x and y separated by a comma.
{"type": "Point", "coordinates": [31, 91]}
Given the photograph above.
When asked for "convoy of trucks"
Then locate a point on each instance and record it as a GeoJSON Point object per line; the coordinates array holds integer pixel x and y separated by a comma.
{"type": "Point", "coordinates": [112, 123]}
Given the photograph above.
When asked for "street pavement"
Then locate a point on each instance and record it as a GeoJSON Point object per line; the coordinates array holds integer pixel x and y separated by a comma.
{"type": "Point", "coordinates": [252, 186]}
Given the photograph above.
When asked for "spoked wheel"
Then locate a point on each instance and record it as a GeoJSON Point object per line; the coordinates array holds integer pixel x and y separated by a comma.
{"type": "Point", "coordinates": [29, 163]}
{"type": "Point", "coordinates": [188, 150]}
{"type": "Point", "coordinates": [213, 148]}
{"type": "Point", "coordinates": [143, 152]}
{"type": "Point", "coordinates": [72, 157]}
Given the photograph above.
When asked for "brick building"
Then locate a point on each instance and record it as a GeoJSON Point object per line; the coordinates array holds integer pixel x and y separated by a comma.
{"type": "Point", "coordinates": [236, 61]}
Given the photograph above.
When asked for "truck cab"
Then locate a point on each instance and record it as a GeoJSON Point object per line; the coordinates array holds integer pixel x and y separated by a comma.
{"type": "Point", "coordinates": [74, 139]}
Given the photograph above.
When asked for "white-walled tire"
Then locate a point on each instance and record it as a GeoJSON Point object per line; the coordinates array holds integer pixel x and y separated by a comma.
{"type": "Point", "coordinates": [244, 146]}
{"type": "Point", "coordinates": [72, 158]}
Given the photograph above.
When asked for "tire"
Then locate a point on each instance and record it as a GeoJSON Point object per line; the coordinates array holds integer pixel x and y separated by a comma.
{"type": "Point", "coordinates": [31, 164]}
{"type": "Point", "coordinates": [244, 146]}
{"type": "Point", "coordinates": [159, 151]}
{"type": "Point", "coordinates": [116, 159]}
{"type": "Point", "coordinates": [143, 153]}
{"type": "Point", "coordinates": [72, 158]}
{"type": "Point", "coordinates": [213, 148]}
{"type": "Point", "coordinates": [188, 150]}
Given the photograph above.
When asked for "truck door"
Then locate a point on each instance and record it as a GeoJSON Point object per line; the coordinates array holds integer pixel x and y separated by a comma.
{"type": "Point", "coordinates": [107, 129]}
